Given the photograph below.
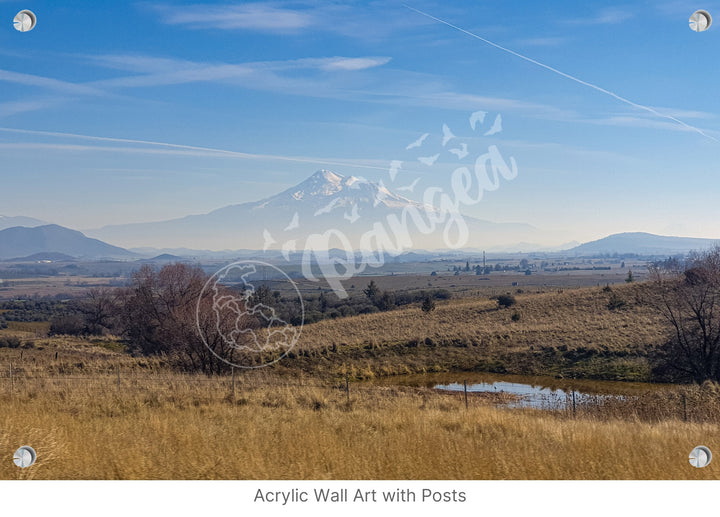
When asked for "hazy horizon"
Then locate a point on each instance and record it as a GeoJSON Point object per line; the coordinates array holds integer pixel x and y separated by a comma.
{"type": "Point", "coordinates": [148, 115]}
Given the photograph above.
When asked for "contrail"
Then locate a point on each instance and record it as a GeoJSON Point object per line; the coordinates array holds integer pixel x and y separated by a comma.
{"type": "Point", "coordinates": [567, 76]}
{"type": "Point", "coordinates": [235, 154]}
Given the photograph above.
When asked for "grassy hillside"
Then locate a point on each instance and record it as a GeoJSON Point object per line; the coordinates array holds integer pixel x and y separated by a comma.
{"type": "Point", "coordinates": [568, 333]}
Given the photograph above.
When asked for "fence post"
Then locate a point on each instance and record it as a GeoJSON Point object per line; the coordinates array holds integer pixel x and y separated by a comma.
{"type": "Point", "coordinates": [12, 381]}
{"type": "Point", "coordinates": [573, 401]}
{"type": "Point", "coordinates": [347, 387]}
{"type": "Point", "coordinates": [465, 390]}
{"type": "Point", "coordinates": [233, 384]}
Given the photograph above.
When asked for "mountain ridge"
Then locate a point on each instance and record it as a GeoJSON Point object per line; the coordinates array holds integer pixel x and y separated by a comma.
{"type": "Point", "coordinates": [324, 201]}
{"type": "Point", "coordinates": [643, 243]}
{"type": "Point", "coordinates": [21, 241]}
{"type": "Point", "coordinates": [19, 220]}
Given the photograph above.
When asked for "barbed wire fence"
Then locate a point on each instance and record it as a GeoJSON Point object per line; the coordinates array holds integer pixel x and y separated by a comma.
{"type": "Point", "coordinates": [673, 404]}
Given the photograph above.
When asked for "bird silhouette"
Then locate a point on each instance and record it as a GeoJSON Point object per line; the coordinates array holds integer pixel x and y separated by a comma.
{"type": "Point", "coordinates": [418, 142]}
{"type": "Point", "coordinates": [409, 188]}
{"type": "Point", "coordinates": [294, 223]}
{"type": "Point", "coordinates": [460, 152]}
{"type": "Point", "coordinates": [288, 248]}
{"type": "Point", "coordinates": [447, 135]}
{"type": "Point", "coordinates": [478, 116]}
{"type": "Point", "coordinates": [429, 160]}
{"type": "Point", "coordinates": [496, 127]}
{"type": "Point", "coordinates": [269, 241]}
{"type": "Point", "coordinates": [328, 208]}
{"type": "Point", "coordinates": [352, 216]}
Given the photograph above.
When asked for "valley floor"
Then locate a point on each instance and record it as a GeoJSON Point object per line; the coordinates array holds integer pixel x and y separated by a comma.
{"type": "Point", "coordinates": [296, 421]}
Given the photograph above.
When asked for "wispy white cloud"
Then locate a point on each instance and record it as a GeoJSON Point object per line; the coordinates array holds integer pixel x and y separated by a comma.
{"type": "Point", "coordinates": [139, 63]}
{"type": "Point", "coordinates": [679, 8]}
{"type": "Point", "coordinates": [15, 107]}
{"type": "Point", "coordinates": [393, 87]}
{"type": "Point", "coordinates": [156, 65]}
{"type": "Point", "coordinates": [573, 78]}
{"type": "Point", "coordinates": [260, 16]}
{"type": "Point", "coordinates": [448, 99]}
{"type": "Point", "coordinates": [650, 123]}
{"type": "Point", "coordinates": [605, 16]}
{"type": "Point", "coordinates": [48, 83]}
{"type": "Point", "coordinates": [613, 15]}
{"type": "Point", "coordinates": [357, 20]}
{"type": "Point", "coordinates": [155, 71]}
{"type": "Point", "coordinates": [117, 149]}
{"type": "Point", "coordinates": [166, 148]}
{"type": "Point", "coordinates": [351, 63]}
{"type": "Point", "coordinates": [684, 113]}
{"type": "Point", "coordinates": [325, 80]}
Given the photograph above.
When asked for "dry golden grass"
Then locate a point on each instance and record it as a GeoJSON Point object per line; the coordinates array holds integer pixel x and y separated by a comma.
{"type": "Point", "coordinates": [569, 332]}
{"type": "Point", "coordinates": [560, 318]}
{"type": "Point", "coordinates": [182, 429]}
{"type": "Point", "coordinates": [65, 355]}
{"type": "Point", "coordinates": [292, 421]}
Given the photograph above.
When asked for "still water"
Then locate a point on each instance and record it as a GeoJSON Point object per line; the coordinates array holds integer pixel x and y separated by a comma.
{"type": "Point", "coordinates": [530, 391]}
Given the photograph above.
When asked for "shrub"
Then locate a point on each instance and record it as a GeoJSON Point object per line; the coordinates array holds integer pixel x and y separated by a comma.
{"type": "Point", "coordinates": [67, 324]}
{"type": "Point", "coordinates": [9, 342]}
{"type": "Point", "coordinates": [615, 302]}
{"type": "Point", "coordinates": [515, 316]}
{"type": "Point", "coordinates": [428, 304]}
{"type": "Point", "coordinates": [506, 300]}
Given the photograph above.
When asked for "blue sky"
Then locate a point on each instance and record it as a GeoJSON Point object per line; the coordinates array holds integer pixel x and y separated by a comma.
{"type": "Point", "coordinates": [91, 92]}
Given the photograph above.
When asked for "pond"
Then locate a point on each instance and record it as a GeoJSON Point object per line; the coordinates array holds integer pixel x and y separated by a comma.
{"type": "Point", "coordinates": [517, 391]}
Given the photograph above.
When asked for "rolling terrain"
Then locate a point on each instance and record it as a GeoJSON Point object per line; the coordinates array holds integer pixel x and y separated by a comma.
{"type": "Point", "coordinates": [95, 412]}
{"type": "Point", "coordinates": [20, 241]}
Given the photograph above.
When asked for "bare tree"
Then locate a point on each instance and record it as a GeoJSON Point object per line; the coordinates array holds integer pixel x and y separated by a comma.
{"type": "Point", "coordinates": [99, 308]}
{"type": "Point", "coordinates": [162, 310]}
{"type": "Point", "coordinates": [687, 294]}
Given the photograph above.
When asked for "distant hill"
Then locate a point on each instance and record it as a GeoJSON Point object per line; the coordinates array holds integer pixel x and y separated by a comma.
{"type": "Point", "coordinates": [51, 256]}
{"type": "Point", "coordinates": [21, 241]}
{"type": "Point", "coordinates": [165, 257]}
{"type": "Point", "coordinates": [11, 222]}
{"type": "Point", "coordinates": [642, 244]}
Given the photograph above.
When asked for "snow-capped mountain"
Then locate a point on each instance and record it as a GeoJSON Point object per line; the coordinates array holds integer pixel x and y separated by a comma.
{"type": "Point", "coordinates": [325, 201]}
